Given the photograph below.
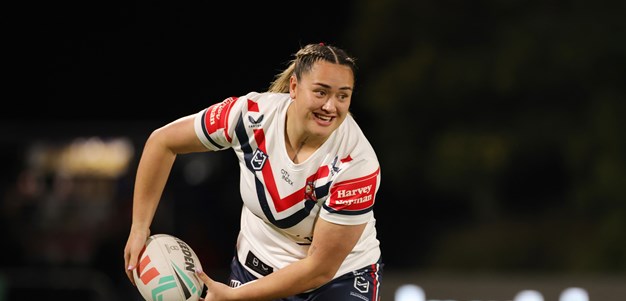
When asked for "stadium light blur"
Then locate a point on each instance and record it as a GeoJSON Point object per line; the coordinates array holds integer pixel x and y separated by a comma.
{"type": "Point", "coordinates": [528, 295]}
{"type": "Point", "coordinates": [409, 292]}
{"type": "Point", "coordinates": [574, 294]}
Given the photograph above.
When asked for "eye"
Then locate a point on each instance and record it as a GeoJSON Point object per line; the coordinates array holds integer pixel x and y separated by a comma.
{"type": "Point", "coordinates": [343, 97]}
{"type": "Point", "coordinates": [319, 93]}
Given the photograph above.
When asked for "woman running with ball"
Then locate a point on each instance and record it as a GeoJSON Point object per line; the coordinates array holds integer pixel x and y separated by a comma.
{"type": "Point", "coordinates": [309, 179]}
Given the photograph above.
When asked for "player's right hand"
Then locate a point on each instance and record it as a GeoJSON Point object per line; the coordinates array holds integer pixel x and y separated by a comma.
{"type": "Point", "coordinates": [135, 243]}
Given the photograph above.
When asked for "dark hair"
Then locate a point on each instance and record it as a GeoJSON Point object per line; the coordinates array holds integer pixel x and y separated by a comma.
{"type": "Point", "coordinates": [304, 60]}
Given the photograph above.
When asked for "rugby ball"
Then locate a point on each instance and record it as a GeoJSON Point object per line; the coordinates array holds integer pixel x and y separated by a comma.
{"type": "Point", "coordinates": [166, 270]}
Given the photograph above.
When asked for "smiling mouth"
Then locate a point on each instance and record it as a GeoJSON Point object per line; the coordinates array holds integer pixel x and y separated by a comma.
{"type": "Point", "coordinates": [324, 118]}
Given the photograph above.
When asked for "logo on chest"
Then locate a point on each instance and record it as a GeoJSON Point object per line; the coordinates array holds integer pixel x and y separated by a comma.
{"type": "Point", "coordinates": [255, 123]}
{"type": "Point", "coordinates": [285, 176]}
{"type": "Point", "coordinates": [258, 159]}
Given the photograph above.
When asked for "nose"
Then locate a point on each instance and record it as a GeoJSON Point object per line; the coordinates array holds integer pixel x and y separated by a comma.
{"type": "Point", "coordinates": [329, 105]}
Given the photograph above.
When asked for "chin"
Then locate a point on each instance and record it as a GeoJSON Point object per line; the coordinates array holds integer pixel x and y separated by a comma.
{"type": "Point", "coordinates": [324, 132]}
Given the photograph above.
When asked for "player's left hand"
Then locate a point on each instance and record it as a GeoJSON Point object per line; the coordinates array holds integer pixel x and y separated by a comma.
{"type": "Point", "coordinates": [216, 291]}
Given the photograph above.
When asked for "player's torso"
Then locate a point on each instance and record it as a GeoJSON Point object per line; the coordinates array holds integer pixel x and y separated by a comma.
{"type": "Point", "coordinates": [286, 195]}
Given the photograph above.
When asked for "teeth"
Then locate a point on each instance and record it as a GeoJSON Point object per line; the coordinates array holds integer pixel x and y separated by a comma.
{"type": "Point", "coordinates": [325, 118]}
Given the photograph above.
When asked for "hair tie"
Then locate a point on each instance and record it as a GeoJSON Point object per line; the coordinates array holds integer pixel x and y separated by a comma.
{"type": "Point", "coordinates": [322, 44]}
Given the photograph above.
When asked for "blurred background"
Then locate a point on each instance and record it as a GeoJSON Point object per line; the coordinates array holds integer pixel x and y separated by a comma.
{"type": "Point", "coordinates": [498, 124]}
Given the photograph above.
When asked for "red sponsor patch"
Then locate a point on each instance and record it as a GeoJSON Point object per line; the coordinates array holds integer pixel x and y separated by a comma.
{"type": "Point", "coordinates": [217, 115]}
{"type": "Point", "coordinates": [357, 194]}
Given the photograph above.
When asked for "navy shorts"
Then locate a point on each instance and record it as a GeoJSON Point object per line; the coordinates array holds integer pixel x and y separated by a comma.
{"type": "Point", "coordinates": [362, 284]}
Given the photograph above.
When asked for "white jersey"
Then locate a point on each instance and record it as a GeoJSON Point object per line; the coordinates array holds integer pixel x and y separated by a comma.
{"type": "Point", "coordinates": [282, 199]}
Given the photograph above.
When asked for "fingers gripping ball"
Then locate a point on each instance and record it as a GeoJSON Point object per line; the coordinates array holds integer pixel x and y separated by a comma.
{"type": "Point", "coordinates": [166, 270]}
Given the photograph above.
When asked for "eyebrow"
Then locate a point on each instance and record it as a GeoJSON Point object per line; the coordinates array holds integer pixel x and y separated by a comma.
{"type": "Point", "coordinates": [328, 87]}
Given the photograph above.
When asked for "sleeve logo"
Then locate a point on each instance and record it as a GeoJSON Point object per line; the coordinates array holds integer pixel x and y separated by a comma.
{"type": "Point", "coordinates": [354, 195]}
{"type": "Point", "coordinates": [218, 115]}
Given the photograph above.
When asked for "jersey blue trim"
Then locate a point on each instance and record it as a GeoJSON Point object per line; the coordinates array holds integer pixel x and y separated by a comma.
{"type": "Point", "coordinates": [290, 221]}
{"type": "Point", "coordinates": [206, 132]}
{"type": "Point", "coordinates": [348, 212]}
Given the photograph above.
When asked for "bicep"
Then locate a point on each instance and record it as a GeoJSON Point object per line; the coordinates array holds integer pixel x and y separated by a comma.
{"type": "Point", "coordinates": [333, 242]}
{"type": "Point", "coordinates": [181, 136]}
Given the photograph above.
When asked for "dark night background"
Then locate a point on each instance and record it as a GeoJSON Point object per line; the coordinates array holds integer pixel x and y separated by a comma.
{"type": "Point", "coordinates": [499, 127]}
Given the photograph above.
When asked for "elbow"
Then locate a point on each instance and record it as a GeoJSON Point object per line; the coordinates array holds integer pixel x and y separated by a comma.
{"type": "Point", "coordinates": [323, 276]}
{"type": "Point", "coordinates": [326, 277]}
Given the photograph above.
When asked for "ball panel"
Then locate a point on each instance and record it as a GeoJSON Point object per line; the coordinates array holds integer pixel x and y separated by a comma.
{"type": "Point", "coordinates": [166, 270]}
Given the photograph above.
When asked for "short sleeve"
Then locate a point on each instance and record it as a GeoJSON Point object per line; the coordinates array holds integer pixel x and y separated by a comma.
{"type": "Point", "coordinates": [214, 125]}
{"type": "Point", "coordinates": [353, 194]}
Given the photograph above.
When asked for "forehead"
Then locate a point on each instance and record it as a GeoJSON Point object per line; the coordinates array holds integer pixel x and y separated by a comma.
{"type": "Point", "coordinates": [335, 75]}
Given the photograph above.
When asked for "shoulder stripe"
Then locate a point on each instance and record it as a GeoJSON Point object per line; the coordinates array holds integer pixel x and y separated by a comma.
{"type": "Point", "coordinates": [206, 132]}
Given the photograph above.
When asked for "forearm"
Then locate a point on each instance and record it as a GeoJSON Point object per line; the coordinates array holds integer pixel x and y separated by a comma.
{"type": "Point", "coordinates": [329, 249]}
{"type": "Point", "coordinates": [152, 174]}
{"type": "Point", "coordinates": [296, 278]}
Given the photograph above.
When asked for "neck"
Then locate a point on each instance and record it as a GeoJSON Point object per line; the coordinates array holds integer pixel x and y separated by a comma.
{"type": "Point", "coordinates": [294, 133]}
{"type": "Point", "coordinates": [297, 150]}
{"type": "Point", "coordinates": [297, 139]}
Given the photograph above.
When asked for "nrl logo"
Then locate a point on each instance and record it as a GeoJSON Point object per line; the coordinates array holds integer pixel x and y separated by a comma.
{"type": "Point", "coordinates": [258, 159]}
{"type": "Point", "coordinates": [361, 284]}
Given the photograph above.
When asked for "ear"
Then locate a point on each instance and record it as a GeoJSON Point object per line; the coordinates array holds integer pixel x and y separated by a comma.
{"type": "Point", "coordinates": [293, 83]}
